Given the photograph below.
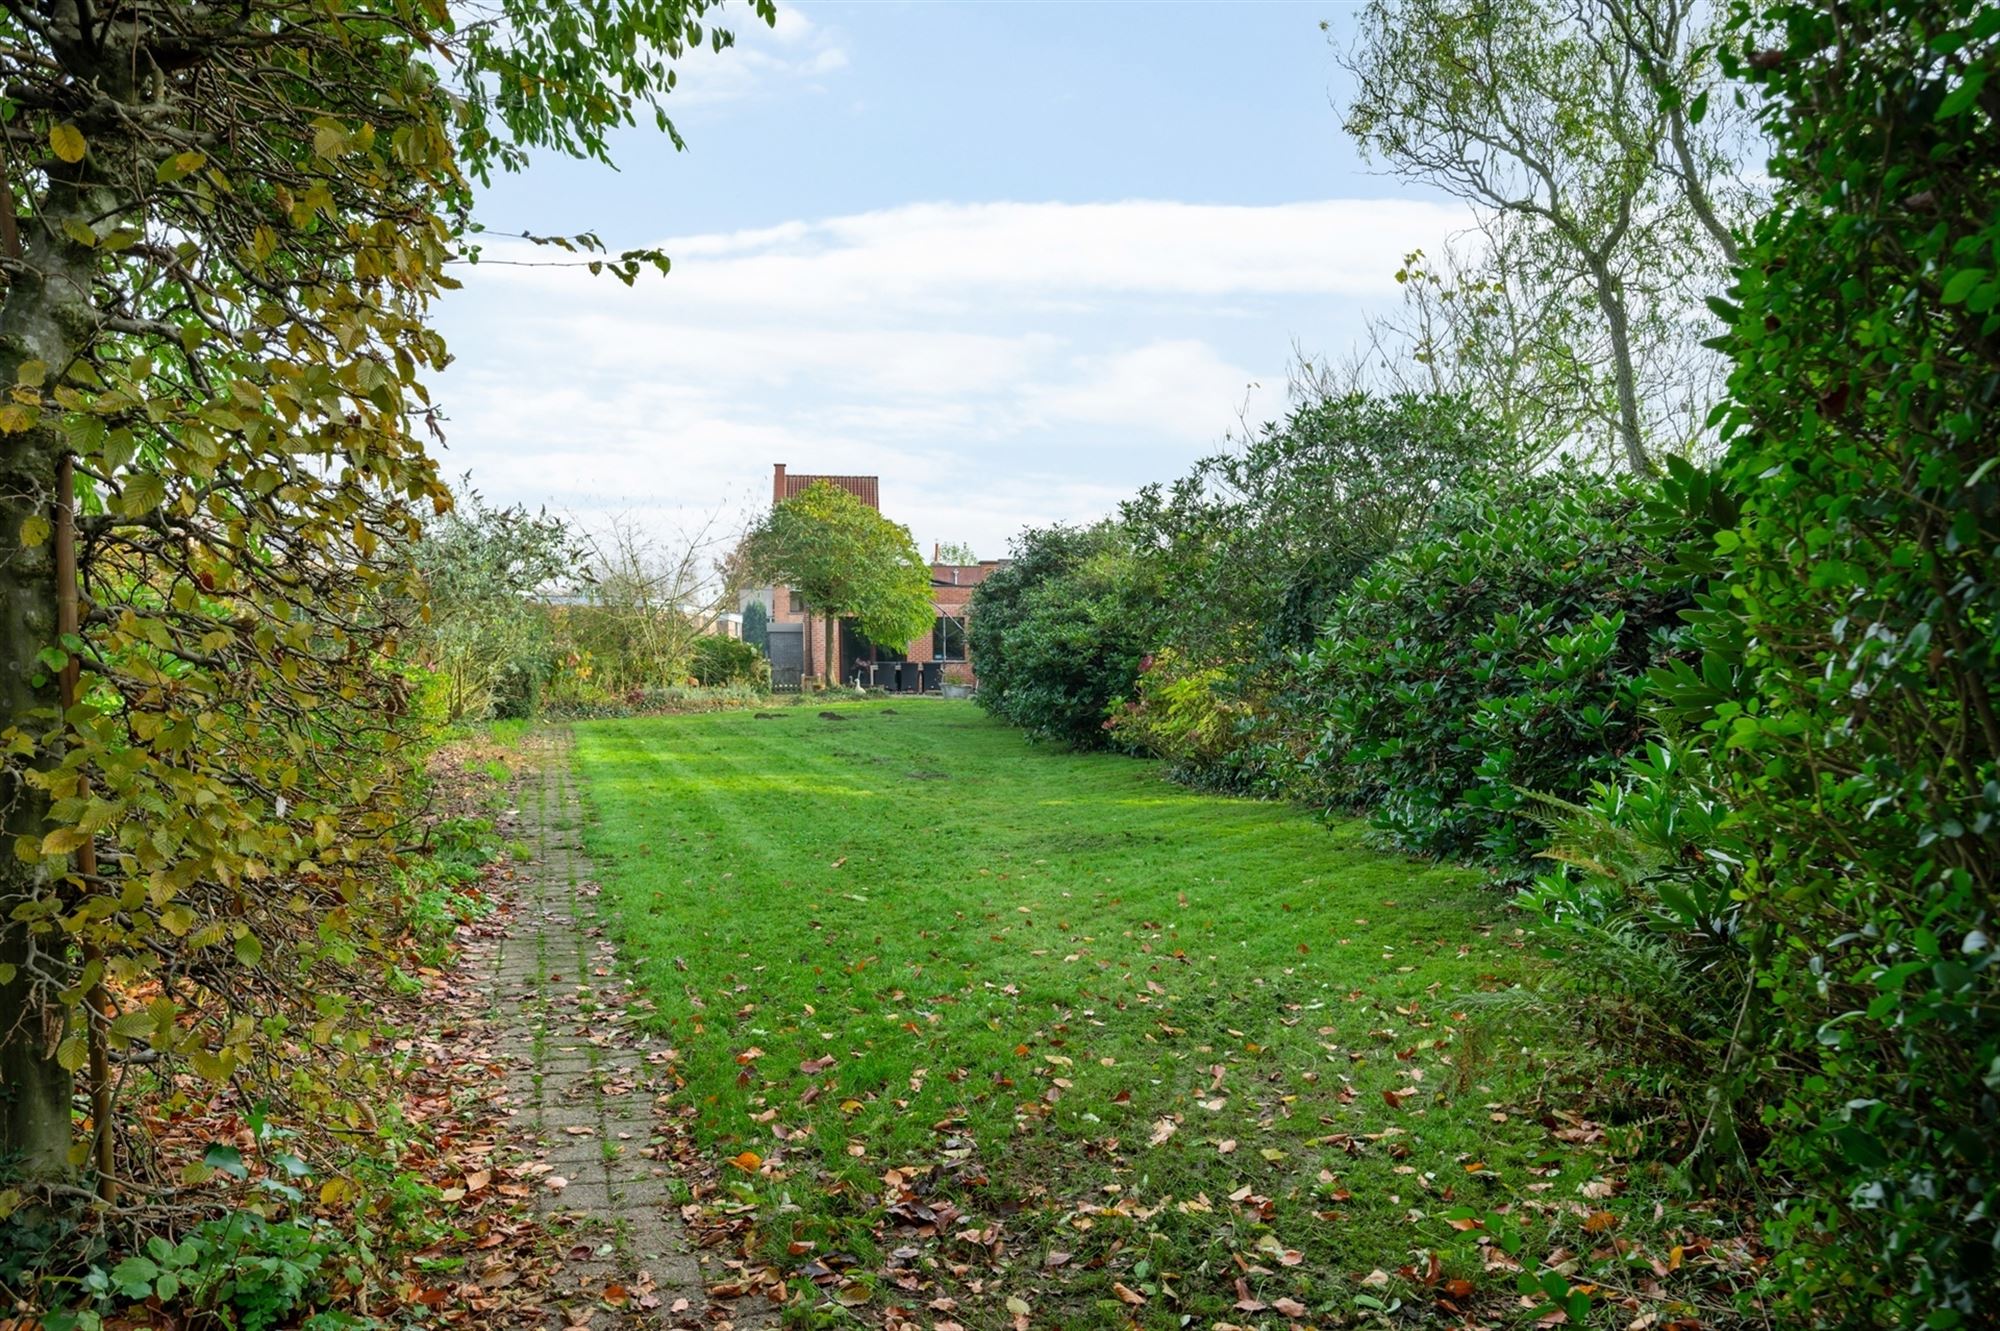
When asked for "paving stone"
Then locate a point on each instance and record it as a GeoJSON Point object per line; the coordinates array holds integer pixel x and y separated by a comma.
{"type": "Point", "coordinates": [549, 978]}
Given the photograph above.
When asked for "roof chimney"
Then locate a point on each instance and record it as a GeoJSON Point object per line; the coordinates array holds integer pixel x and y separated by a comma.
{"type": "Point", "coordinates": [777, 482]}
{"type": "Point", "coordinates": [937, 551]}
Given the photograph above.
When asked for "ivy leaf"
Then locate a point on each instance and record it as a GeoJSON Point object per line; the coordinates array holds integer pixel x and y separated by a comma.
{"type": "Point", "coordinates": [134, 1277]}
{"type": "Point", "coordinates": [225, 1159]}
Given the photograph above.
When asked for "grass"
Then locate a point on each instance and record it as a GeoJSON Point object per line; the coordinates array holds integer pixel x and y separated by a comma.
{"type": "Point", "coordinates": [1180, 1051]}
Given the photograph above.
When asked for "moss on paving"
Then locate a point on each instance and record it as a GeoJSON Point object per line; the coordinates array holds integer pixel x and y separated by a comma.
{"type": "Point", "coordinates": [1087, 987]}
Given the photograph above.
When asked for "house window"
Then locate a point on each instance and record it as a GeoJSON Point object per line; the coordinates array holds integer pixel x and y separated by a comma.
{"type": "Point", "coordinates": [798, 600]}
{"type": "Point", "coordinates": [948, 638]}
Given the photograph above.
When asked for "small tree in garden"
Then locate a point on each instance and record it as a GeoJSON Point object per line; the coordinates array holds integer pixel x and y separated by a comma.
{"type": "Point", "coordinates": [648, 602]}
{"type": "Point", "coordinates": [757, 626]}
{"type": "Point", "coordinates": [848, 561]}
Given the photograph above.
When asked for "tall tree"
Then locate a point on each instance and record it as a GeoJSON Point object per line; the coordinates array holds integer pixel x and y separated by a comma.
{"type": "Point", "coordinates": [221, 228]}
{"type": "Point", "coordinates": [1576, 137]}
{"type": "Point", "coordinates": [848, 561]}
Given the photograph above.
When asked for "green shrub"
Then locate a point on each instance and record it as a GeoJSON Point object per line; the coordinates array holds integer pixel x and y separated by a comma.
{"type": "Point", "coordinates": [1642, 915]}
{"type": "Point", "coordinates": [484, 637]}
{"type": "Point", "coordinates": [248, 1272]}
{"type": "Point", "coordinates": [1188, 715]}
{"type": "Point", "coordinates": [1253, 546]}
{"type": "Point", "coordinates": [719, 661]}
{"type": "Point", "coordinates": [671, 700]}
{"type": "Point", "coordinates": [1850, 652]}
{"type": "Point", "coordinates": [1060, 631]}
{"type": "Point", "coordinates": [1503, 650]}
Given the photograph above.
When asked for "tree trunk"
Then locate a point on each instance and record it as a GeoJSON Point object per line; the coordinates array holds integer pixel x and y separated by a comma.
{"type": "Point", "coordinates": [46, 317]}
{"type": "Point", "coordinates": [832, 654]}
{"type": "Point", "coordinates": [1611, 300]}
{"type": "Point", "coordinates": [34, 1089]}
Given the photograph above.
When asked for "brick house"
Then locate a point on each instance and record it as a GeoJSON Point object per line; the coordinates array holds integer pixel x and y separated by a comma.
{"type": "Point", "coordinates": [951, 592]}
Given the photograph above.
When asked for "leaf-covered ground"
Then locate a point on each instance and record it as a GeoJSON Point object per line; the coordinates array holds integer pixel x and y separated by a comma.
{"type": "Point", "coordinates": [988, 1034]}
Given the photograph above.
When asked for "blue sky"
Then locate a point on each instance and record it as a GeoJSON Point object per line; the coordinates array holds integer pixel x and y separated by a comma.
{"type": "Point", "coordinates": [1017, 258]}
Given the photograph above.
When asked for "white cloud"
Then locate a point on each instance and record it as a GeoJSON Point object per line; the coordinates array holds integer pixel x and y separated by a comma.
{"type": "Point", "coordinates": [793, 55]}
{"type": "Point", "coordinates": [940, 257]}
{"type": "Point", "coordinates": [1180, 390]}
{"type": "Point", "coordinates": [997, 364]}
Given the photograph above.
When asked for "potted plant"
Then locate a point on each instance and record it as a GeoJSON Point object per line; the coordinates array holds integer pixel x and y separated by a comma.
{"type": "Point", "coordinates": [957, 681]}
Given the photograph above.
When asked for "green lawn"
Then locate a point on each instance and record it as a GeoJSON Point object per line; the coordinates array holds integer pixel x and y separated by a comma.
{"type": "Point", "coordinates": [1114, 1035]}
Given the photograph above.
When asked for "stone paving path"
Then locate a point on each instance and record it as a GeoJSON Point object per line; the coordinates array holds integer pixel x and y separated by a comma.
{"type": "Point", "coordinates": [580, 1085]}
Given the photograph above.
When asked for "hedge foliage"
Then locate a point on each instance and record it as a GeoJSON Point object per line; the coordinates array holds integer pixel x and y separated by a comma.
{"type": "Point", "coordinates": [722, 661]}
{"type": "Point", "coordinates": [1060, 632]}
{"type": "Point", "coordinates": [1504, 650]}
{"type": "Point", "coordinates": [1851, 648]}
{"type": "Point", "coordinates": [1254, 545]}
